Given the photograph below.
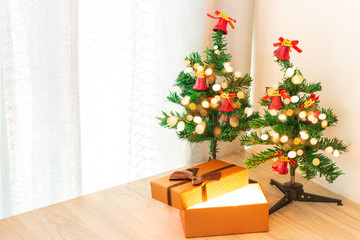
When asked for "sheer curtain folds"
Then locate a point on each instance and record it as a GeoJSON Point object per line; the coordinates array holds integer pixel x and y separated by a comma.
{"type": "Point", "coordinates": [81, 85]}
{"type": "Point", "coordinates": [40, 147]}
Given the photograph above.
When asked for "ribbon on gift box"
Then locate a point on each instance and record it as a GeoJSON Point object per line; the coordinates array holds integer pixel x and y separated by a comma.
{"type": "Point", "coordinates": [191, 175]}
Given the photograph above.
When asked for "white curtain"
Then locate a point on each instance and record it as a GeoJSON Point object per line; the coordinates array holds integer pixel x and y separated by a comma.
{"type": "Point", "coordinates": [82, 83]}
{"type": "Point", "coordinates": [40, 146]}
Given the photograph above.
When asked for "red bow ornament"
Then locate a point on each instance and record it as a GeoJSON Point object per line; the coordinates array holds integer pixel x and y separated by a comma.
{"type": "Point", "coordinates": [275, 98]}
{"type": "Point", "coordinates": [227, 105]}
{"type": "Point", "coordinates": [280, 166]}
{"type": "Point", "coordinates": [285, 45]}
{"type": "Point", "coordinates": [310, 102]}
{"type": "Point", "coordinates": [223, 21]}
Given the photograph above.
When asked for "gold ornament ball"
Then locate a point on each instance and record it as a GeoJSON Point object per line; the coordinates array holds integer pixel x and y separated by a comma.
{"type": "Point", "coordinates": [302, 114]}
{"type": "Point", "coordinates": [286, 101]}
{"type": "Point", "coordinates": [329, 149]}
{"type": "Point", "coordinates": [205, 104]}
{"type": "Point", "coordinates": [217, 52]}
{"type": "Point", "coordinates": [237, 74]}
{"type": "Point", "coordinates": [324, 123]}
{"type": "Point", "coordinates": [203, 112]}
{"type": "Point", "coordinates": [181, 126]}
{"type": "Point", "coordinates": [226, 64]}
{"type": "Point", "coordinates": [297, 79]}
{"type": "Point", "coordinates": [238, 104]}
{"type": "Point", "coordinates": [187, 62]}
{"type": "Point", "coordinates": [297, 141]}
{"type": "Point", "coordinates": [240, 95]}
{"type": "Point", "coordinates": [284, 139]}
{"type": "Point", "coordinates": [234, 122]}
{"type": "Point", "coordinates": [276, 135]}
{"type": "Point", "coordinates": [189, 117]}
{"type": "Point", "coordinates": [192, 106]}
{"type": "Point", "coordinates": [224, 85]}
{"type": "Point", "coordinates": [200, 68]}
{"type": "Point", "coordinates": [289, 112]}
{"type": "Point", "coordinates": [313, 141]}
{"type": "Point", "coordinates": [272, 112]}
{"type": "Point", "coordinates": [213, 101]}
{"type": "Point", "coordinates": [217, 131]}
{"type": "Point", "coordinates": [196, 65]}
{"type": "Point", "coordinates": [275, 86]}
{"type": "Point", "coordinates": [315, 121]}
{"type": "Point", "coordinates": [199, 129]}
{"type": "Point", "coordinates": [171, 121]}
{"type": "Point", "coordinates": [299, 152]}
{"type": "Point", "coordinates": [316, 162]}
{"type": "Point", "coordinates": [208, 72]}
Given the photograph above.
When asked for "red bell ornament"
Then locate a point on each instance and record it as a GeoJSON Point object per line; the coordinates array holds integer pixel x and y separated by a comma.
{"type": "Point", "coordinates": [223, 21]}
{"type": "Point", "coordinates": [285, 45]}
{"type": "Point", "coordinates": [200, 83]}
{"type": "Point", "coordinates": [280, 166]}
{"type": "Point", "coordinates": [227, 105]}
{"type": "Point", "coordinates": [275, 98]}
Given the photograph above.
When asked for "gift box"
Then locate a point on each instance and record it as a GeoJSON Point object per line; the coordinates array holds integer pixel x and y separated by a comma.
{"type": "Point", "coordinates": [244, 210]}
{"type": "Point", "coordinates": [219, 178]}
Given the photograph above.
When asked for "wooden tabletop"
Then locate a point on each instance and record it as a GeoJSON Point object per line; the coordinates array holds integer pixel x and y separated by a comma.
{"type": "Point", "coordinates": [128, 212]}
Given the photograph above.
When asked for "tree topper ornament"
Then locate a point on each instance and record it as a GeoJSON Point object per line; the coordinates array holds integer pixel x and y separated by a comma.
{"type": "Point", "coordinates": [285, 45]}
{"type": "Point", "coordinates": [223, 21]}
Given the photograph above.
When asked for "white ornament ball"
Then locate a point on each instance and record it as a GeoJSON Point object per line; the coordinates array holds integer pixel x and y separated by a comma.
{"type": "Point", "coordinates": [189, 69]}
{"type": "Point", "coordinates": [294, 99]}
{"type": "Point", "coordinates": [205, 104]}
{"type": "Point", "coordinates": [282, 117]}
{"type": "Point", "coordinates": [264, 137]}
{"type": "Point", "coordinates": [216, 47]}
{"type": "Point", "coordinates": [289, 72]}
{"type": "Point", "coordinates": [197, 119]}
{"type": "Point", "coordinates": [181, 126]}
{"type": "Point", "coordinates": [336, 153]}
{"type": "Point", "coordinates": [292, 154]}
{"type": "Point", "coordinates": [322, 116]}
{"type": "Point", "coordinates": [216, 87]}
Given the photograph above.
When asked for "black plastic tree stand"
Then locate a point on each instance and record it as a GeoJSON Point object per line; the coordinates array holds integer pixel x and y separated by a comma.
{"type": "Point", "coordinates": [294, 191]}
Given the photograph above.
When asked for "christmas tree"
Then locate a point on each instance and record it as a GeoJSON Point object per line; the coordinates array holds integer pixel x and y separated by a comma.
{"type": "Point", "coordinates": [216, 100]}
{"type": "Point", "coordinates": [294, 124]}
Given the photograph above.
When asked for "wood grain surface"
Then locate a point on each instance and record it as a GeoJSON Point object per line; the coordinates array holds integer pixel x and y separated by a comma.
{"type": "Point", "coordinates": [128, 212]}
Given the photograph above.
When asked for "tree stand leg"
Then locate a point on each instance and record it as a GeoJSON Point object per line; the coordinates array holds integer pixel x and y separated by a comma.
{"type": "Point", "coordinates": [294, 191]}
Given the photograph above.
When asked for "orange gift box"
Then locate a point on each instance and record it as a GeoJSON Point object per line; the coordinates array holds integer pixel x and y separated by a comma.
{"type": "Point", "coordinates": [244, 210]}
{"type": "Point", "coordinates": [183, 193]}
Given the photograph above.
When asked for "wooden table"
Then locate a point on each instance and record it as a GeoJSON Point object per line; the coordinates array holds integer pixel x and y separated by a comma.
{"type": "Point", "coordinates": [128, 212]}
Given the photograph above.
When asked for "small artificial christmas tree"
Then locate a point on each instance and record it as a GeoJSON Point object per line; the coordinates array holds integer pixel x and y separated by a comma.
{"type": "Point", "coordinates": [295, 124]}
{"type": "Point", "coordinates": [215, 99]}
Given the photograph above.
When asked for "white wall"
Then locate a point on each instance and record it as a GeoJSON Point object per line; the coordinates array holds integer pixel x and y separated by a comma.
{"type": "Point", "coordinates": [329, 34]}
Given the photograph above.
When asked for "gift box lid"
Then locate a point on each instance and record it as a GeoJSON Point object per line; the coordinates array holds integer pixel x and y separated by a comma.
{"type": "Point", "coordinates": [243, 210]}
{"type": "Point", "coordinates": [183, 193]}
